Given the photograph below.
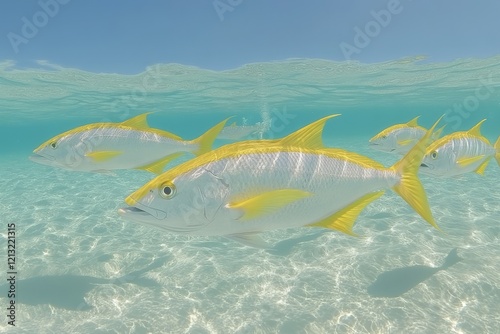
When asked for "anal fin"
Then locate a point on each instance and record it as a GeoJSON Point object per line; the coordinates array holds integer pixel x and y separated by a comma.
{"type": "Point", "coordinates": [480, 170]}
{"type": "Point", "coordinates": [344, 219]}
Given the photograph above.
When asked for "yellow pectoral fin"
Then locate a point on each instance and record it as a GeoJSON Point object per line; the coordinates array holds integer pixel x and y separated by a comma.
{"type": "Point", "coordinates": [267, 202]}
{"type": "Point", "coordinates": [480, 170]}
{"type": "Point", "coordinates": [101, 156]}
{"type": "Point", "coordinates": [405, 142]}
{"type": "Point", "coordinates": [344, 219]}
{"type": "Point", "coordinates": [464, 162]}
{"type": "Point", "coordinates": [158, 166]}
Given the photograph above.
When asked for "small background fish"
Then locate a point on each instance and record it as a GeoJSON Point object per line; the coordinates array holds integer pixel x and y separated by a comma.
{"type": "Point", "coordinates": [132, 144]}
{"type": "Point", "coordinates": [459, 153]}
{"type": "Point", "coordinates": [400, 138]}
{"type": "Point", "coordinates": [394, 283]}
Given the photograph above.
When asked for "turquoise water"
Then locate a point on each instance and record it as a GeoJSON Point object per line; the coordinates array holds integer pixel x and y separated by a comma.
{"type": "Point", "coordinates": [83, 269]}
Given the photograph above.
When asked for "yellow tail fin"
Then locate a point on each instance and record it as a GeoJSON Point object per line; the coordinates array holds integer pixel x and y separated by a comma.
{"type": "Point", "coordinates": [206, 140]}
{"type": "Point", "coordinates": [497, 148]}
{"type": "Point", "coordinates": [410, 188]}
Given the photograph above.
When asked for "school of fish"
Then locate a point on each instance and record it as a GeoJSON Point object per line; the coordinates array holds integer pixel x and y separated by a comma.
{"type": "Point", "coordinates": [244, 188]}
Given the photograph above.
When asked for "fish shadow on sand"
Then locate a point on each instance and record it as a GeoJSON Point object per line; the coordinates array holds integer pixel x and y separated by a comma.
{"type": "Point", "coordinates": [394, 283]}
{"type": "Point", "coordinates": [68, 291]}
{"type": "Point", "coordinates": [285, 247]}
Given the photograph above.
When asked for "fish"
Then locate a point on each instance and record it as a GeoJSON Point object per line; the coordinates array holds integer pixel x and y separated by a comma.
{"type": "Point", "coordinates": [400, 138]}
{"type": "Point", "coordinates": [238, 132]}
{"type": "Point", "coordinates": [69, 291]}
{"type": "Point", "coordinates": [459, 153]}
{"type": "Point", "coordinates": [395, 282]}
{"type": "Point", "coordinates": [132, 144]}
{"type": "Point", "coordinates": [242, 189]}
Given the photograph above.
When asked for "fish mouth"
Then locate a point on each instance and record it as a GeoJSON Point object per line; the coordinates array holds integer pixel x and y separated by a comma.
{"type": "Point", "coordinates": [137, 211]}
{"type": "Point", "coordinates": [139, 215]}
{"type": "Point", "coordinates": [133, 210]}
{"type": "Point", "coordinates": [146, 218]}
{"type": "Point", "coordinates": [427, 169]}
{"type": "Point", "coordinates": [42, 159]}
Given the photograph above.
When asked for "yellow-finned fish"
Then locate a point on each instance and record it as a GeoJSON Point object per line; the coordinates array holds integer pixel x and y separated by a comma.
{"type": "Point", "coordinates": [241, 189]}
{"type": "Point", "coordinates": [400, 138]}
{"type": "Point", "coordinates": [459, 153]}
{"type": "Point", "coordinates": [132, 144]}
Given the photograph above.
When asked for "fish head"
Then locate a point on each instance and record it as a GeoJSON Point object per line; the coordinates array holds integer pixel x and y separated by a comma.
{"type": "Point", "coordinates": [52, 153]}
{"type": "Point", "coordinates": [67, 151]}
{"type": "Point", "coordinates": [438, 160]}
{"type": "Point", "coordinates": [185, 204]}
{"type": "Point", "coordinates": [384, 141]}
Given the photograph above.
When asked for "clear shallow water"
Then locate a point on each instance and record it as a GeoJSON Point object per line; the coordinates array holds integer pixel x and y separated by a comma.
{"type": "Point", "coordinates": [103, 274]}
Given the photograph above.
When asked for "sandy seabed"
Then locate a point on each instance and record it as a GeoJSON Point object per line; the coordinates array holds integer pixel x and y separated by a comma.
{"type": "Point", "coordinates": [83, 269]}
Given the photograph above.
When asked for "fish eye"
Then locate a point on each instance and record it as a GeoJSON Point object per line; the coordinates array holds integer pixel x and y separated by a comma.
{"type": "Point", "coordinates": [167, 190]}
{"type": "Point", "coordinates": [434, 155]}
{"type": "Point", "coordinates": [53, 144]}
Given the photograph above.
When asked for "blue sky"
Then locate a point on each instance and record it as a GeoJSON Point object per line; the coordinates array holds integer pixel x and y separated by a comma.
{"type": "Point", "coordinates": [125, 36]}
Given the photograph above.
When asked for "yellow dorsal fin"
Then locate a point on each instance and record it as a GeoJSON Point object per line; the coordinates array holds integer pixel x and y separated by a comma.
{"type": "Point", "coordinates": [206, 140]}
{"type": "Point", "coordinates": [464, 162]}
{"type": "Point", "coordinates": [344, 219]}
{"type": "Point", "coordinates": [405, 142]}
{"type": "Point", "coordinates": [138, 122]}
{"type": "Point", "coordinates": [158, 166]}
{"type": "Point", "coordinates": [476, 129]}
{"type": "Point", "coordinates": [268, 202]}
{"type": "Point", "coordinates": [437, 134]}
{"type": "Point", "coordinates": [413, 122]}
{"type": "Point", "coordinates": [101, 156]}
{"type": "Point", "coordinates": [309, 136]}
{"type": "Point", "coordinates": [480, 170]}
